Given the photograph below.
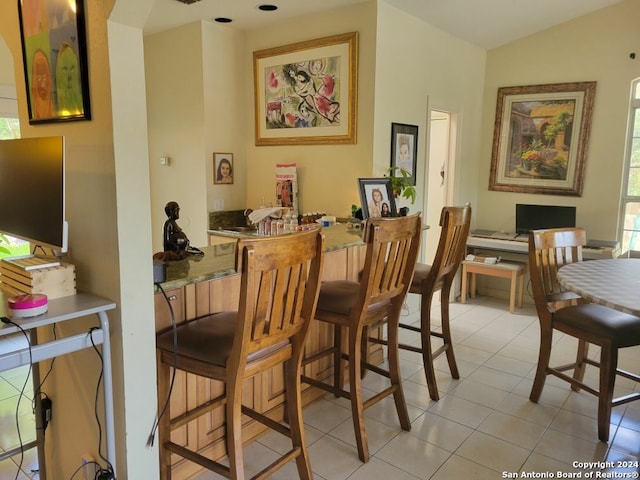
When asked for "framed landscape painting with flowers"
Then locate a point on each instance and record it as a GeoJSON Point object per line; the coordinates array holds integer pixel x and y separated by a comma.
{"type": "Point", "coordinates": [541, 138]}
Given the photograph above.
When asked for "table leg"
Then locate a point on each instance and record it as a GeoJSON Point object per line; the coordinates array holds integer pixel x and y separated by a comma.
{"type": "Point", "coordinates": [463, 288]}
{"type": "Point", "coordinates": [521, 296]}
{"type": "Point", "coordinates": [472, 291]}
{"type": "Point", "coordinates": [107, 380]}
{"type": "Point", "coordinates": [35, 376]}
{"type": "Point", "coordinates": [512, 292]}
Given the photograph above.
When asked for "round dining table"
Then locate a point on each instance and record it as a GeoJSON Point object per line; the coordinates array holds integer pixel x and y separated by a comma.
{"type": "Point", "coordinates": [614, 283]}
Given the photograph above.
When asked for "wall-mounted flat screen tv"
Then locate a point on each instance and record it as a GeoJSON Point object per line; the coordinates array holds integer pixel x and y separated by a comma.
{"type": "Point", "coordinates": [538, 217]}
{"type": "Point", "coordinates": [32, 191]}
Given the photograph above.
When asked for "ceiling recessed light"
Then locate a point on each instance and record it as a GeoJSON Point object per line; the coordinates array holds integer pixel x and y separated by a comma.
{"type": "Point", "coordinates": [222, 20]}
{"type": "Point", "coordinates": [267, 7]}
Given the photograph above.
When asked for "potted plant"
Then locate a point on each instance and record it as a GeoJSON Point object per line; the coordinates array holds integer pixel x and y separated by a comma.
{"type": "Point", "coordinates": [401, 183]}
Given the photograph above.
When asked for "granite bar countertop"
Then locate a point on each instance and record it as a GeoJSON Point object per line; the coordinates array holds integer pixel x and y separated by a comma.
{"type": "Point", "coordinates": [218, 261]}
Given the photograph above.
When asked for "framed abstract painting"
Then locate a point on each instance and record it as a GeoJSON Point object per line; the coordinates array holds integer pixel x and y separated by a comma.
{"type": "Point", "coordinates": [306, 93]}
{"type": "Point", "coordinates": [54, 53]}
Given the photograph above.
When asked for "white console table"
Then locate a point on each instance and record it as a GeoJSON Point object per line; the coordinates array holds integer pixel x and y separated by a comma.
{"type": "Point", "coordinates": [62, 310]}
{"type": "Point", "coordinates": [516, 246]}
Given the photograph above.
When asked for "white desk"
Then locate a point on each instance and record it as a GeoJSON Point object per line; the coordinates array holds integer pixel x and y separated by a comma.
{"type": "Point", "coordinates": [61, 310]}
{"type": "Point", "coordinates": [515, 246]}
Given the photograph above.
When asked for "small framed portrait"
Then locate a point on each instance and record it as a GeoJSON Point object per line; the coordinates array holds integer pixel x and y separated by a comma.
{"type": "Point", "coordinates": [223, 168]}
{"type": "Point", "coordinates": [404, 149]}
{"type": "Point", "coordinates": [376, 197]}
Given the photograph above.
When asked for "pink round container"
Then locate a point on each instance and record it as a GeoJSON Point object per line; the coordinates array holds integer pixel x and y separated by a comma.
{"type": "Point", "coordinates": [27, 305]}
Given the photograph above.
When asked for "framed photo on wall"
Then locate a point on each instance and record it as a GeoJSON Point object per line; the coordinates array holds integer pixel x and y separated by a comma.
{"type": "Point", "coordinates": [541, 138]}
{"type": "Point", "coordinates": [376, 198]}
{"type": "Point", "coordinates": [306, 93]}
{"type": "Point", "coordinates": [404, 149]}
{"type": "Point", "coordinates": [223, 168]}
{"type": "Point", "coordinates": [54, 54]}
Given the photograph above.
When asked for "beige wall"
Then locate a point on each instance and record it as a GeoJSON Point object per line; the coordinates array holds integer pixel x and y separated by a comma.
{"type": "Point", "coordinates": [225, 121]}
{"type": "Point", "coordinates": [176, 119]}
{"type": "Point", "coordinates": [401, 85]}
{"type": "Point", "coordinates": [109, 164]}
{"type": "Point", "coordinates": [92, 229]}
{"type": "Point", "coordinates": [193, 112]}
{"type": "Point", "coordinates": [326, 174]}
{"type": "Point", "coordinates": [218, 75]}
{"type": "Point", "coordinates": [107, 182]}
{"type": "Point", "coordinates": [595, 47]}
{"type": "Point", "coordinates": [419, 67]}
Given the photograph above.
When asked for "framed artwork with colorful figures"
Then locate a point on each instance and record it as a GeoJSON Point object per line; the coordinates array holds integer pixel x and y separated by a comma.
{"type": "Point", "coordinates": [54, 53]}
{"type": "Point", "coordinates": [306, 93]}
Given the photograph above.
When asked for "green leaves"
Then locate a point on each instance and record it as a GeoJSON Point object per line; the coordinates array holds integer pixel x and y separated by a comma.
{"type": "Point", "coordinates": [401, 183]}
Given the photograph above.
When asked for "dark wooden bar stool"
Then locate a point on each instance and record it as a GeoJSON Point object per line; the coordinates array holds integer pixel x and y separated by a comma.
{"type": "Point", "coordinates": [589, 323]}
{"type": "Point", "coordinates": [355, 307]}
{"type": "Point", "coordinates": [439, 276]}
{"type": "Point", "coordinates": [278, 296]}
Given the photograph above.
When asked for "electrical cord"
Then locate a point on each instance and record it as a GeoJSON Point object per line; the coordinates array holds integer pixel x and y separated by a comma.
{"type": "Point", "coordinates": [24, 386]}
{"type": "Point", "coordinates": [36, 247]}
{"type": "Point", "coordinates": [101, 473]}
{"type": "Point", "coordinates": [156, 423]}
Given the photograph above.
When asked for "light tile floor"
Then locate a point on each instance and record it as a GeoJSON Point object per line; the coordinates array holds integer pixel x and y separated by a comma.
{"type": "Point", "coordinates": [483, 427]}
{"type": "Point", "coordinates": [13, 382]}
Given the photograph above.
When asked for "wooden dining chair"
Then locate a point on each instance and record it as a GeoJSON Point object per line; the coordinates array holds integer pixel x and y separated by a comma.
{"type": "Point", "coordinates": [439, 276]}
{"type": "Point", "coordinates": [278, 295]}
{"type": "Point", "coordinates": [589, 323]}
{"type": "Point", "coordinates": [392, 246]}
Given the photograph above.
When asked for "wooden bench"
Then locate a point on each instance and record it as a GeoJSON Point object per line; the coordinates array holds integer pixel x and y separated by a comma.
{"type": "Point", "coordinates": [514, 271]}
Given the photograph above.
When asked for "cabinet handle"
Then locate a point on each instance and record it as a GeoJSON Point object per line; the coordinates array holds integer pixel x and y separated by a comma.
{"type": "Point", "coordinates": [173, 297]}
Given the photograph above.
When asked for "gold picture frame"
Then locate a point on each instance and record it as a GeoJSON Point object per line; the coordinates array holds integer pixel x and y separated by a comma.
{"type": "Point", "coordinates": [541, 137]}
{"type": "Point", "coordinates": [306, 93]}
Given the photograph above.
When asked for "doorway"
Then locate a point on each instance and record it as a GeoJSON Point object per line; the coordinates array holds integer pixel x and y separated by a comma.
{"type": "Point", "coordinates": [440, 174]}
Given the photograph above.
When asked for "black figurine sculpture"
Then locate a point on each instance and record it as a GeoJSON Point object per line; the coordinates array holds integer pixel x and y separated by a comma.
{"type": "Point", "coordinates": [174, 239]}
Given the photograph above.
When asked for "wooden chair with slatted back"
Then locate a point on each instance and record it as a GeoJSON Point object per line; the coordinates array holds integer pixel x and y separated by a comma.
{"type": "Point", "coordinates": [390, 259]}
{"type": "Point", "coordinates": [439, 276]}
{"type": "Point", "coordinates": [278, 295]}
{"type": "Point", "coordinates": [589, 323]}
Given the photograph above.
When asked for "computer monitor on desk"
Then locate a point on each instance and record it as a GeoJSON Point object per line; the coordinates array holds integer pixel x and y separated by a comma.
{"type": "Point", "coordinates": [538, 217]}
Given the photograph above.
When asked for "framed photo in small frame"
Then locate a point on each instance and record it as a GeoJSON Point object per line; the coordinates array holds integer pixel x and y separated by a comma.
{"type": "Point", "coordinates": [404, 149]}
{"type": "Point", "coordinates": [376, 198]}
{"type": "Point", "coordinates": [223, 168]}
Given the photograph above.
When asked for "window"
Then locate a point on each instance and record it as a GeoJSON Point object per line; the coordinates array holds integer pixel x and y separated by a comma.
{"type": "Point", "coordinates": [631, 188]}
{"type": "Point", "coordinates": [10, 128]}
